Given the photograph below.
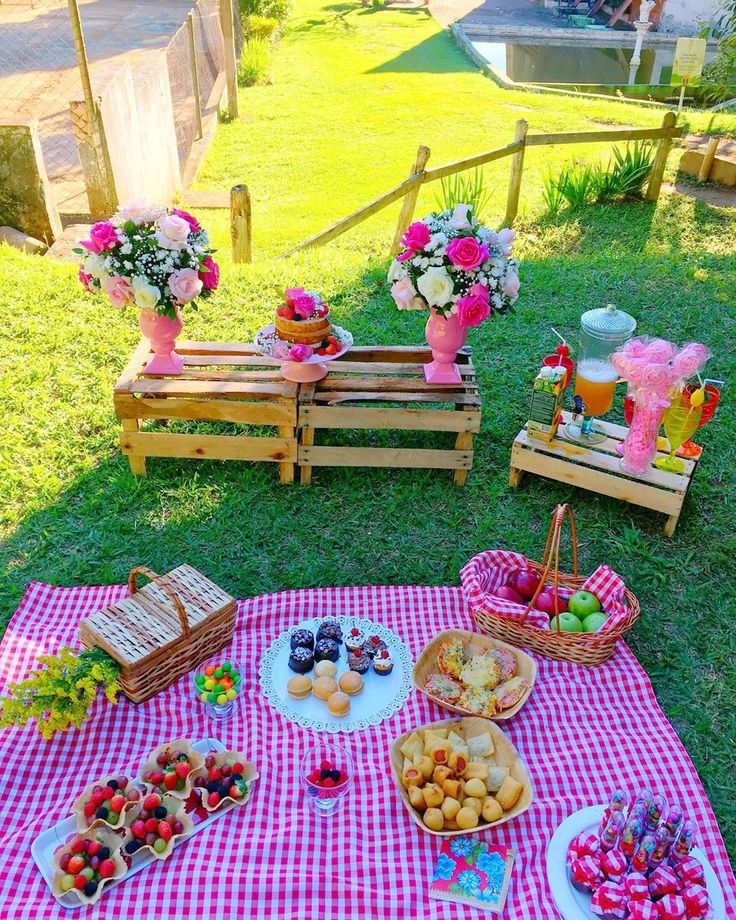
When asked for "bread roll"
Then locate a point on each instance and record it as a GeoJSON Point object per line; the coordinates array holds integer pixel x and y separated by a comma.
{"type": "Point", "coordinates": [434, 819]}
{"type": "Point", "coordinates": [491, 810]}
{"type": "Point", "coordinates": [508, 795]}
{"type": "Point", "coordinates": [466, 818]}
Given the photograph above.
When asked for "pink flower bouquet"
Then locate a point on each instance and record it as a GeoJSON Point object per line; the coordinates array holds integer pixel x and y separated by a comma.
{"type": "Point", "coordinates": [452, 264]}
{"type": "Point", "coordinates": [152, 258]}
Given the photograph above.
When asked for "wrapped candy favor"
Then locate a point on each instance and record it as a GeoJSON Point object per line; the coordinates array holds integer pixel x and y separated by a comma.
{"type": "Point", "coordinates": [583, 845]}
{"type": "Point", "coordinates": [609, 901]}
{"type": "Point", "coordinates": [636, 887]}
{"type": "Point", "coordinates": [585, 873]}
{"type": "Point", "coordinates": [663, 881]}
{"type": "Point", "coordinates": [690, 871]}
{"type": "Point", "coordinates": [672, 907]}
{"type": "Point", "coordinates": [697, 902]}
{"type": "Point", "coordinates": [613, 865]}
{"type": "Point", "coordinates": [643, 910]}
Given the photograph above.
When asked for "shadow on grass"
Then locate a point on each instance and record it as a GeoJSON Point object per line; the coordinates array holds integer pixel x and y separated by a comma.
{"type": "Point", "coordinates": [433, 55]}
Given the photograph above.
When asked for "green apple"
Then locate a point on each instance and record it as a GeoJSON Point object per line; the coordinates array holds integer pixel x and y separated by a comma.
{"type": "Point", "coordinates": [583, 603]}
{"type": "Point", "coordinates": [568, 623]}
{"type": "Point", "coordinates": [593, 622]}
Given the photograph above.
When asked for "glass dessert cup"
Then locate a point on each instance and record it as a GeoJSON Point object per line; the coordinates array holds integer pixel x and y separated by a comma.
{"type": "Point", "coordinates": [690, 449]}
{"type": "Point", "coordinates": [681, 421]}
{"type": "Point", "coordinates": [220, 710]}
{"type": "Point", "coordinates": [324, 793]}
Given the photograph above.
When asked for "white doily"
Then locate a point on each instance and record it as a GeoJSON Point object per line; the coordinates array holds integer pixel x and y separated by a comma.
{"type": "Point", "coordinates": [381, 697]}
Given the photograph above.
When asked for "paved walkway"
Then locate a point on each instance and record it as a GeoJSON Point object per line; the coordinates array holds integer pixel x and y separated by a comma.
{"type": "Point", "coordinates": [498, 13]}
{"type": "Point", "coordinates": [38, 72]}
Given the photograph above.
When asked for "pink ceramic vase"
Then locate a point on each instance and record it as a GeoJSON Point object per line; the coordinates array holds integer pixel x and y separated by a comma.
{"type": "Point", "coordinates": [162, 332]}
{"type": "Point", "coordinates": [444, 337]}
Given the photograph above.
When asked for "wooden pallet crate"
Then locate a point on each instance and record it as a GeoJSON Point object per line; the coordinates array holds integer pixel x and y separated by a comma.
{"type": "Point", "coordinates": [220, 383]}
{"type": "Point", "coordinates": [598, 469]}
{"type": "Point", "coordinates": [162, 630]}
{"type": "Point", "coordinates": [384, 388]}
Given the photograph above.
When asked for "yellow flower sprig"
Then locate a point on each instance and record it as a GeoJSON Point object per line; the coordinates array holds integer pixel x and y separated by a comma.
{"type": "Point", "coordinates": [58, 696]}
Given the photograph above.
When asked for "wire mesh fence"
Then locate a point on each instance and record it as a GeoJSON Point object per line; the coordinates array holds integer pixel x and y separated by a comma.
{"type": "Point", "coordinates": [39, 76]}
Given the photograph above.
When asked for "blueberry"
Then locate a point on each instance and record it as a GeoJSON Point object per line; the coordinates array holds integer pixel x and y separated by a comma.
{"type": "Point", "coordinates": [132, 846]}
{"type": "Point", "coordinates": [104, 853]}
{"type": "Point", "coordinates": [112, 783]}
{"type": "Point", "coordinates": [212, 785]}
{"type": "Point", "coordinates": [224, 790]}
{"type": "Point", "coordinates": [102, 812]}
{"type": "Point", "coordinates": [324, 774]}
{"type": "Point", "coordinates": [90, 888]}
{"type": "Point", "coordinates": [159, 812]}
{"type": "Point", "coordinates": [335, 775]}
{"type": "Point", "coordinates": [236, 777]}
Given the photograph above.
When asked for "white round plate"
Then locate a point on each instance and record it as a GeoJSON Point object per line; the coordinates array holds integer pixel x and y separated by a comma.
{"type": "Point", "coordinates": [381, 697]}
{"type": "Point", "coordinates": [575, 905]}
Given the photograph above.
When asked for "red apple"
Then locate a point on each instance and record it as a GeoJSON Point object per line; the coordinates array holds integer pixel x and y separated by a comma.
{"type": "Point", "coordinates": [527, 583]}
{"type": "Point", "coordinates": [508, 594]}
{"type": "Point", "coordinates": [546, 601]}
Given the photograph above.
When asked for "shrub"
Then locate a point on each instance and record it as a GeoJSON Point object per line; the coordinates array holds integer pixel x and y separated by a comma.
{"type": "Point", "coordinates": [626, 173]}
{"type": "Point", "coordinates": [464, 188]}
{"type": "Point", "coordinates": [254, 62]}
{"type": "Point", "coordinates": [271, 9]}
{"type": "Point", "coordinates": [260, 27]}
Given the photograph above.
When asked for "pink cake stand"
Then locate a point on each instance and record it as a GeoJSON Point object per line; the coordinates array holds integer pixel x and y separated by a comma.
{"type": "Point", "coordinates": [309, 371]}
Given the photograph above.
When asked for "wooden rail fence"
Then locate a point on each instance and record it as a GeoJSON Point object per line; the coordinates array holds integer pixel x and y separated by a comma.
{"type": "Point", "coordinates": [420, 175]}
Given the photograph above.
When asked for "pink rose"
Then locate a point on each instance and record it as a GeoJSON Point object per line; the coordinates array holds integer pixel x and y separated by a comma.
{"type": "Point", "coordinates": [301, 352]}
{"type": "Point", "coordinates": [635, 348]}
{"type": "Point", "coordinates": [102, 236]}
{"type": "Point", "coordinates": [472, 310]}
{"type": "Point", "coordinates": [291, 294]}
{"type": "Point", "coordinates": [511, 285]}
{"type": "Point", "coordinates": [416, 236]}
{"type": "Point", "coordinates": [657, 377]}
{"type": "Point", "coordinates": [185, 285]}
{"type": "Point", "coordinates": [659, 351]}
{"type": "Point", "coordinates": [505, 238]}
{"type": "Point", "coordinates": [172, 232]}
{"type": "Point", "coordinates": [467, 253]}
{"type": "Point", "coordinates": [479, 290]}
{"type": "Point", "coordinates": [119, 290]}
{"type": "Point", "coordinates": [85, 279]}
{"type": "Point", "coordinates": [209, 272]}
{"type": "Point", "coordinates": [194, 224]}
{"type": "Point", "coordinates": [690, 359]}
{"type": "Point", "coordinates": [304, 306]}
{"type": "Point", "coordinates": [405, 295]}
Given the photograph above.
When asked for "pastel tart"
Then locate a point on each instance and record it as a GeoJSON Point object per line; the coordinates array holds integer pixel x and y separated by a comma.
{"type": "Point", "coordinates": [443, 687]}
{"type": "Point", "coordinates": [105, 803]}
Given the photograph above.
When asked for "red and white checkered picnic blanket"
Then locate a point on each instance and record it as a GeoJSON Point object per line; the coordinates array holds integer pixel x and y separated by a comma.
{"type": "Point", "coordinates": [582, 733]}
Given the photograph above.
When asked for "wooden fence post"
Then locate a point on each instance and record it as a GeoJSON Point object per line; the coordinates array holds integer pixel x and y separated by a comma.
{"type": "Point", "coordinates": [660, 159]}
{"type": "Point", "coordinates": [195, 75]}
{"type": "Point", "coordinates": [410, 200]}
{"type": "Point", "coordinates": [227, 22]}
{"type": "Point", "coordinates": [708, 157]}
{"type": "Point", "coordinates": [240, 223]}
{"type": "Point", "coordinates": [517, 168]}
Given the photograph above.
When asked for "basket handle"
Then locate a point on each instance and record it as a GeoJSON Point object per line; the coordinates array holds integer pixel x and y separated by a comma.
{"type": "Point", "coordinates": [156, 579]}
{"type": "Point", "coordinates": [551, 555]}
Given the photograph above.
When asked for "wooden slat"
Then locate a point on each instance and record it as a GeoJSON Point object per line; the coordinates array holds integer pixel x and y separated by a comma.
{"type": "Point", "coordinates": [208, 446]}
{"type": "Point", "coordinates": [592, 137]}
{"type": "Point", "coordinates": [210, 410]}
{"type": "Point", "coordinates": [376, 368]}
{"type": "Point", "coordinates": [228, 361]}
{"type": "Point", "coordinates": [439, 172]}
{"type": "Point", "coordinates": [181, 386]}
{"type": "Point", "coordinates": [399, 419]}
{"type": "Point", "coordinates": [217, 348]}
{"type": "Point", "coordinates": [386, 457]}
{"type": "Point", "coordinates": [402, 384]}
{"type": "Point", "coordinates": [365, 396]}
{"type": "Point", "coordinates": [629, 490]}
{"type": "Point", "coordinates": [249, 376]}
{"type": "Point", "coordinates": [576, 455]}
{"type": "Point", "coordinates": [138, 359]}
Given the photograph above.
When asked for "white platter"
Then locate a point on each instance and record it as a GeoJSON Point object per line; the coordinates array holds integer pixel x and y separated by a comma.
{"type": "Point", "coordinates": [381, 697]}
{"type": "Point", "coordinates": [46, 844]}
{"type": "Point", "coordinates": [575, 905]}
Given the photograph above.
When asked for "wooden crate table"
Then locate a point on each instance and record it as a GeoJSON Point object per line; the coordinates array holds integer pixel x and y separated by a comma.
{"type": "Point", "coordinates": [355, 394]}
{"type": "Point", "coordinates": [219, 383]}
{"type": "Point", "coordinates": [598, 469]}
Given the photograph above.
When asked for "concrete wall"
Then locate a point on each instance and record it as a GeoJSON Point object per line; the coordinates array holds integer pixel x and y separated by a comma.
{"type": "Point", "coordinates": [685, 16]}
{"type": "Point", "coordinates": [26, 202]}
{"type": "Point", "coordinates": [138, 119]}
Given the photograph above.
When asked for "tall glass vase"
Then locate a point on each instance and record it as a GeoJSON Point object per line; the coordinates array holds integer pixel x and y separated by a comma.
{"type": "Point", "coordinates": [640, 445]}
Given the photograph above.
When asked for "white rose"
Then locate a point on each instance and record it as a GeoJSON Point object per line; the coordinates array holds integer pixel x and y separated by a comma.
{"type": "Point", "coordinates": [396, 271]}
{"type": "Point", "coordinates": [146, 295]}
{"type": "Point", "coordinates": [435, 285]}
{"type": "Point", "coordinates": [94, 265]}
{"type": "Point", "coordinates": [459, 219]}
{"type": "Point", "coordinates": [172, 232]}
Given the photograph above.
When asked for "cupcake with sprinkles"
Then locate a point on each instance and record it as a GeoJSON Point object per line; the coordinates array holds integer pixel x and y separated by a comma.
{"type": "Point", "coordinates": [359, 661]}
{"type": "Point", "coordinates": [354, 640]}
{"type": "Point", "coordinates": [383, 663]}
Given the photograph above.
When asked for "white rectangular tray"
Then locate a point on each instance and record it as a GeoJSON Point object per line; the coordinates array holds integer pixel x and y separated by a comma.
{"type": "Point", "coordinates": [46, 844]}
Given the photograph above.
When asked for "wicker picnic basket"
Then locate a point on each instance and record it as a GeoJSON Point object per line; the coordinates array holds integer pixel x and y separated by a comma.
{"type": "Point", "coordinates": [581, 648]}
{"type": "Point", "coordinates": [163, 630]}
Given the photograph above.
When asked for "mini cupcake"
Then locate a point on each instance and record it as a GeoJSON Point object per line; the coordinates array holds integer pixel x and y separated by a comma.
{"type": "Point", "coordinates": [359, 661]}
{"type": "Point", "coordinates": [301, 660]}
{"type": "Point", "coordinates": [383, 663]}
{"type": "Point", "coordinates": [326, 650]}
{"type": "Point", "coordinates": [302, 638]}
{"type": "Point", "coordinates": [355, 640]}
{"type": "Point", "coordinates": [374, 645]}
{"type": "Point", "coordinates": [330, 629]}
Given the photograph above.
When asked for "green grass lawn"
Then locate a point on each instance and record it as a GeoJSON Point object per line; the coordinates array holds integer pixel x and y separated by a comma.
{"type": "Point", "coordinates": [356, 91]}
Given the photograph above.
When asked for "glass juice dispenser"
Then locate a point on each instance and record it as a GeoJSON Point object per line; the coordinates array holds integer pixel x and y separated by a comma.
{"type": "Point", "coordinates": [602, 331]}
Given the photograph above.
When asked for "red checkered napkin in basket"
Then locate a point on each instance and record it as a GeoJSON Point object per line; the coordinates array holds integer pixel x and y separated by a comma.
{"type": "Point", "coordinates": [487, 571]}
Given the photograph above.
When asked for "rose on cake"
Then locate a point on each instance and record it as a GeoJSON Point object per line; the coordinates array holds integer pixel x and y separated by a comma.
{"type": "Point", "coordinates": [303, 318]}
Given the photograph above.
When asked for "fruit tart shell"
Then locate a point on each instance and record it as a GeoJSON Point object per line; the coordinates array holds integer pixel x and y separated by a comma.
{"type": "Point", "coordinates": [77, 808]}
{"type": "Point", "coordinates": [170, 801]}
{"type": "Point", "coordinates": [107, 838]}
{"type": "Point", "coordinates": [196, 761]}
{"type": "Point", "coordinates": [250, 775]}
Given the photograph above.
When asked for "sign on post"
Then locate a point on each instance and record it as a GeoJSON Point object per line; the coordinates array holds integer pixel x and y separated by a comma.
{"type": "Point", "coordinates": [688, 63]}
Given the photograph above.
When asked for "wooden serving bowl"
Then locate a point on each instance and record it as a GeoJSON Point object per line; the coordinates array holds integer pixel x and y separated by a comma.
{"type": "Point", "coordinates": [504, 755]}
{"type": "Point", "coordinates": [526, 667]}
